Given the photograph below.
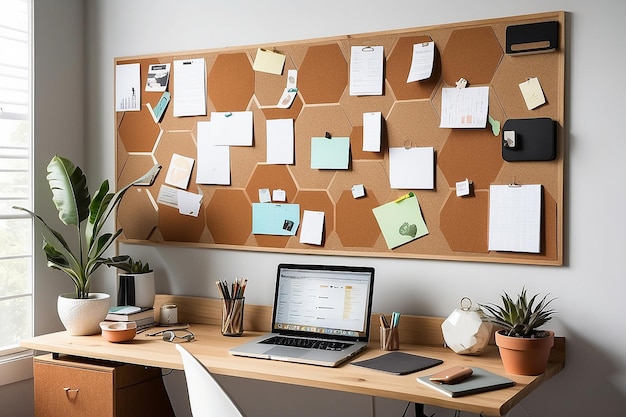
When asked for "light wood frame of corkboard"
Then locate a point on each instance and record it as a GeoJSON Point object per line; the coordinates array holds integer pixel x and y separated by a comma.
{"type": "Point", "coordinates": [458, 227]}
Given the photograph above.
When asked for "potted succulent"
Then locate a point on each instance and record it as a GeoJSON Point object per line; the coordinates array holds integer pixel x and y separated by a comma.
{"type": "Point", "coordinates": [87, 217]}
{"type": "Point", "coordinates": [136, 282]}
{"type": "Point", "coordinates": [524, 348]}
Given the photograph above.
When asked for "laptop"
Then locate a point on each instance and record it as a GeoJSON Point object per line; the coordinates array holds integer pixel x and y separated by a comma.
{"type": "Point", "coordinates": [321, 315]}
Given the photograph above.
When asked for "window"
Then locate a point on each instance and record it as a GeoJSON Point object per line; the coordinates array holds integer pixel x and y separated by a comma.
{"type": "Point", "coordinates": [16, 229]}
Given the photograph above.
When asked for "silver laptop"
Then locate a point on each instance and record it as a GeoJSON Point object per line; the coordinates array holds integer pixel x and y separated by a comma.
{"type": "Point", "coordinates": [321, 315]}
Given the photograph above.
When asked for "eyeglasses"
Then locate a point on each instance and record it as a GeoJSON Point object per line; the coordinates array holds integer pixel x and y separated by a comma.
{"type": "Point", "coordinates": [171, 336]}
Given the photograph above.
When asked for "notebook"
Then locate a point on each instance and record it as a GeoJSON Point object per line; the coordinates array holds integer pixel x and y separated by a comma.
{"type": "Point", "coordinates": [321, 315]}
{"type": "Point", "coordinates": [399, 363]}
{"type": "Point", "coordinates": [480, 381]}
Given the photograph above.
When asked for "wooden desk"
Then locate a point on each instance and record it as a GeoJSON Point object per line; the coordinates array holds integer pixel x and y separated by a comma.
{"type": "Point", "coordinates": [212, 349]}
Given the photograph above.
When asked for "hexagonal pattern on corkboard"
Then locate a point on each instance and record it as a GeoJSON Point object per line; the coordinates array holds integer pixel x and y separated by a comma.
{"type": "Point", "coordinates": [229, 217]}
{"type": "Point", "coordinates": [137, 200]}
{"type": "Point", "coordinates": [414, 124]}
{"type": "Point", "coordinates": [464, 222]}
{"type": "Point", "coordinates": [138, 131]}
{"type": "Point", "coordinates": [175, 227]}
{"type": "Point", "coordinates": [318, 201]}
{"type": "Point", "coordinates": [473, 54]}
{"type": "Point", "coordinates": [399, 64]}
{"type": "Point", "coordinates": [231, 82]}
{"type": "Point", "coordinates": [356, 224]}
{"type": "Point", "coordinates": [315, 122]}
{"type": "Point", "coordinates": [471, 153]}
{"type": "Point", "coordinates": [458, 227]}
{"type": "Point", "coordinates": [272, 177]}
{"type": "Point", "coordinates": [323, 76]}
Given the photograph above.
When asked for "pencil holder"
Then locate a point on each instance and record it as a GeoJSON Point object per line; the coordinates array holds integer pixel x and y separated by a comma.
{"type": "Point", "coordinates": [232, 316]}
{"type": "Point", "coordinates": [389, 338]}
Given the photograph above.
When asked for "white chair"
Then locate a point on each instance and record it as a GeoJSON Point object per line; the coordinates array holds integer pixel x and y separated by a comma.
{"type": "Point", "coordinates": [206, 396]}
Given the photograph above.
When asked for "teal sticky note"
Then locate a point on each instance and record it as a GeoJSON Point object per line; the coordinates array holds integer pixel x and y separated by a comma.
{"type": "Point", "coordinates": [400, 221]}
{"type": "Point", "coordinates": [159, 108]}
{"type": "Point", "coordinates": [275, 219]}
{"type": "Point", "coordinates": [331, 153]}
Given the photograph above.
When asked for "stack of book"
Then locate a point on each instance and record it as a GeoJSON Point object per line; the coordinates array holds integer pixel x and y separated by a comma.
{"type": "Point", "coordinates": [143, 316]}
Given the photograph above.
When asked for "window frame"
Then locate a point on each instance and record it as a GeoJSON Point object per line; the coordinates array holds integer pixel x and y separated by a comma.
{"type": "Point", "coordinates": [15, 361]}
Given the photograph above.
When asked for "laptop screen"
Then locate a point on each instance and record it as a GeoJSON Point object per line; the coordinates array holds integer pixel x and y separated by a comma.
{"type": "Point", "coordinates": [323, 300]}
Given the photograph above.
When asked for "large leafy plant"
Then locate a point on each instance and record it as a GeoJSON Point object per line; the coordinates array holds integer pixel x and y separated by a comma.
{"type": "Point", "coordinates": [521, 317]}
{"type": "Point", "coordinates": [87, 215]}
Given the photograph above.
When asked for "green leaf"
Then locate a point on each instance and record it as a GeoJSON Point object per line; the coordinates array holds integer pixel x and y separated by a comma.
{"type": "Point", "coordinates": [98, 205]}
{"type": "Point", "coordinates": [69, 191]}
{"type": "Point", "coordinates": [110, 202]}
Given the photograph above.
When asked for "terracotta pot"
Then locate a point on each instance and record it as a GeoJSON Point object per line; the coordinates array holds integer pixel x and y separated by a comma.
{"type": "Point", "coordinates": [524, 356]}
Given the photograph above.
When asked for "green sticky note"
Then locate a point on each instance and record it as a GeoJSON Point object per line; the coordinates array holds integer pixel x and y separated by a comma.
{"type": "Point", "coordinates": [495, 125]}
{"type": "Point", "coordinates": [400, 221]}
{"type": "Point", "coordinates": [331, 153]}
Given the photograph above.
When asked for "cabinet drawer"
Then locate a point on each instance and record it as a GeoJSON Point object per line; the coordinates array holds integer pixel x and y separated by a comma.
{"type": "Point", "coordinates": [69, 391]}
{"type": "Point", "coordinates": [79, 387]}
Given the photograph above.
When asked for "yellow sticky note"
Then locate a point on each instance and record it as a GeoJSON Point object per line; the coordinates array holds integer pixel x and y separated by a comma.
{"type": "Point", "coordinates": [532, 92]}
{"type": "Point", "coordinates": [269, 61]}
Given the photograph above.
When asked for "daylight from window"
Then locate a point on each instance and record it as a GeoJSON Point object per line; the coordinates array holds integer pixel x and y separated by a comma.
{"type": "Point", "coordinates": [16, 242]}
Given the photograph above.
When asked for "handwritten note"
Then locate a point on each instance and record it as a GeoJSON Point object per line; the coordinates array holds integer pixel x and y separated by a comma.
{"type": "Point", "coordinates": [532, 92]}
{"type": "Point", "coordinates": [189, 87]}
{"type": "Point", "coordinates": [422, 62]}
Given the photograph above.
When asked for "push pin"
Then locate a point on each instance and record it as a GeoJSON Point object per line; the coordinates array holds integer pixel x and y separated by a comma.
{"type": "Point", "coordinates": [327, 135]}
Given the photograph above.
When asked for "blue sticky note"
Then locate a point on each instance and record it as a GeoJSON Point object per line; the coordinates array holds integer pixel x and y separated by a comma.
{"type": "Point", "coordinates": [331, 153]}
{"type": "Point", "coordinates": [275, 219]}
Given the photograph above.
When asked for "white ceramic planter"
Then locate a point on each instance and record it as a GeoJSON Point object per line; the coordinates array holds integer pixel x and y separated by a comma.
{"type": "Point", "coordinates": [82, 317]}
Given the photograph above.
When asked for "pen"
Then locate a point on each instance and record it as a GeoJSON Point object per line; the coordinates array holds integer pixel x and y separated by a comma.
{"type": "Point", "coordinates": [395, 319]}
{"type": "Point", "coordinates": [404, 197]}
{"type": "Point", "coordinates": [383, 321]}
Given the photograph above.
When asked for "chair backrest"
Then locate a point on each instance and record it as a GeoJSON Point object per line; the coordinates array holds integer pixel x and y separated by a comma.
{"type": "Point", "coordinates": [206, 396]}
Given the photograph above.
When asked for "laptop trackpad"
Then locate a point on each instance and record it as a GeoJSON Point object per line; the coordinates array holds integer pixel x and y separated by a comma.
{"type": "Point", "coordinates": [283, 351]}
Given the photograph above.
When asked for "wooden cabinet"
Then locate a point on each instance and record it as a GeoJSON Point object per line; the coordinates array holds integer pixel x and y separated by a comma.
{"type": "Point", "coordinates": [69, 386]}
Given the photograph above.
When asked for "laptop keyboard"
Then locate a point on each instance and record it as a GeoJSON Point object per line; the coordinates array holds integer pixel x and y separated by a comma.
{"type": "Point", "coordinates": [306, 343]}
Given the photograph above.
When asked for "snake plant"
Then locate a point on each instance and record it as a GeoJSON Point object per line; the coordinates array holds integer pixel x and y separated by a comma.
{"type": "Point", "coordinates": [87, 215]}
{"type": "Point", "coordinates": [520, 317]}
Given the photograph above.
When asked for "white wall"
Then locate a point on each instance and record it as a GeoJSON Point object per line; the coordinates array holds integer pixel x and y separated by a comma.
{"type": "Point", "coordinates": [589, 287]}
{"type": "Point", "coordinates": [58, 127]}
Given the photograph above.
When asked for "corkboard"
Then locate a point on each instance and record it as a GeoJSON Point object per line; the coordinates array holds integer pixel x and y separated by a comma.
{"type": "Point", "coordinates": [458, 227]}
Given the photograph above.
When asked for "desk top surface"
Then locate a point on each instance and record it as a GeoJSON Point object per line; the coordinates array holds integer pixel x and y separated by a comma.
{"type": "Point", "coordinates": [212, 349]}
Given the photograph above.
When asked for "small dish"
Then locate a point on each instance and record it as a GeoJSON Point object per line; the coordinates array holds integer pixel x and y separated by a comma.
{"type": "Point", "coordinates": [118, 331]}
